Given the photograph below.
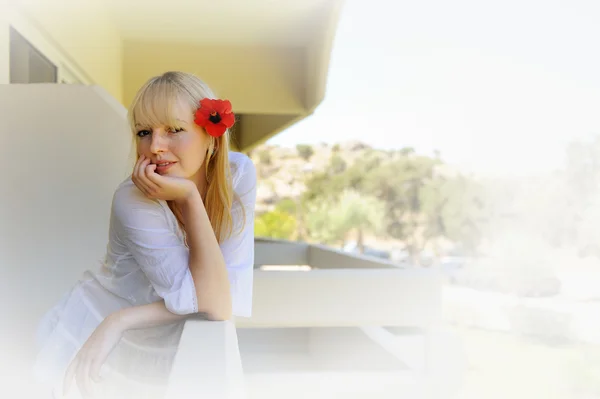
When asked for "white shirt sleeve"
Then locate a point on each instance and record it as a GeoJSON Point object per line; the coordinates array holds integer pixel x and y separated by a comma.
{"type": "Point", "coordinates": [238, 250]}
{"type": "Point", "coordinates": [143, 226]}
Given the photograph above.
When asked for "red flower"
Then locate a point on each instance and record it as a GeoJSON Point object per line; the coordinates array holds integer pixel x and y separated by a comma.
{"type": "Point", "coordinates": [215, 116]}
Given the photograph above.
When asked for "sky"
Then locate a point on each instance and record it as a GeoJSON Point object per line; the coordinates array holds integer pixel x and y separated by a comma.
{"type": "Point", "coordinates": [498, 87]}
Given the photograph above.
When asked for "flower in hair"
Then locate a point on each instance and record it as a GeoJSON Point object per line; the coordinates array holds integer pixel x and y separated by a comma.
{"type": "Point", "coordinates": [214, 116]}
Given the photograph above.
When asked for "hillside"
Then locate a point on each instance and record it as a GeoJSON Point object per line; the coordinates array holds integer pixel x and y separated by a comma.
{"type": "Point", "coordinates": [283, 171]}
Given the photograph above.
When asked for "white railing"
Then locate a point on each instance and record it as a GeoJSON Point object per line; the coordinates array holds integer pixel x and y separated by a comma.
{"type": "Point", "coordinates": [207, 364]}
{"type": "Point", "coordinates": [337, 290]}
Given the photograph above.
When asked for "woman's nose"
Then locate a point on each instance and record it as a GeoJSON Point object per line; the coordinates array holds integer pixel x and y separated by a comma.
{"type": "Point", "coordinates": [158, 143]}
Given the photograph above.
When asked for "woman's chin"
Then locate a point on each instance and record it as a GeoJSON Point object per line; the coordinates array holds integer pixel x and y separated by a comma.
{"type": "Point", "coordinates": [170, 173]}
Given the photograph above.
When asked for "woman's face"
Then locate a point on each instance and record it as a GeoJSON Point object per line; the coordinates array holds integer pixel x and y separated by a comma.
{"type": "Point", "coordinates": [183, 146]}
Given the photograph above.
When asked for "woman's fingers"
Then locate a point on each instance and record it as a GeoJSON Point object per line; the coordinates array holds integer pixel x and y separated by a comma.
{"type": "Point", "coordinates": [70, 375]}
{"type": "Point", "coordinates": [78, 370]}
{"type": "Point", "coordinates": [139, 178]}
{"type": "Point", "coordinates": [142, 170]}
{"type": "Point", "coordinates": [83, 378]}
{"type": "Point", "coordinates": [153, 178]}
{"type": "Point", "coordinates": [95, 370]}
{"type": "Point", "coordinates": [147, 171]}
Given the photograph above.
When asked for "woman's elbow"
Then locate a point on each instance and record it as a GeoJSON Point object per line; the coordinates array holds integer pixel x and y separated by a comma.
{"type": "Point", "coordinates": [216, 315]}
{"type": "Point", "coordinates": [221, 317]}
{"type": "Point", "coordinates": [215, 307]}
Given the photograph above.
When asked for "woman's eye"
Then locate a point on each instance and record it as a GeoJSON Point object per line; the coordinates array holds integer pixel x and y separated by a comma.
{"type": "Point", "coordinates": [176, 130]}
{"type": "Point", "coordinates": [142, 133]}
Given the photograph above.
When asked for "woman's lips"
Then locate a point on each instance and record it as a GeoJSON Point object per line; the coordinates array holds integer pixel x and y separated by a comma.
{"type": "Point", "coordinates": [164, 168]}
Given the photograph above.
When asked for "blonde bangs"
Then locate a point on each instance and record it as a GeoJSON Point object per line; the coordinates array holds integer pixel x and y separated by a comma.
{"type": "Point", "coordinates": [153, 106]}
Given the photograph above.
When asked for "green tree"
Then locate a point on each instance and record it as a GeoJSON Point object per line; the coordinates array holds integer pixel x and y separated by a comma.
{"type": "Point", "coordinates": [305, 151]}
{"type": "Point", "coordinates": [265, 157]}
{"type": "Point", "coordinates": [399, 182]}
{"type": "Point", "coordinates": [287, 205]}
{"type": "Point", "coordinates": [419, 203]}
{"type": "Point", "coordinates": [337, 164]}
{"type": "Point", "coordinates": [330, 221]}
{"type": "Point", "coordinates": [329, 184]}
{"type": "Point", "coordinates": [407, 151]}
{"type": "Point", "coordinates": [275, 224]}
{"type": "Point", "coordinates": [324, 226]}
{"type": "Point", "coordinates": [454, 208]}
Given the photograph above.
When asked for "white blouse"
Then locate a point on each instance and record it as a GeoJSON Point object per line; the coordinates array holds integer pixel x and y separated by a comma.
{"type": "Point", "coordinates": [147, 258]}
{"type": "Point", "coordinates": [146, 261]}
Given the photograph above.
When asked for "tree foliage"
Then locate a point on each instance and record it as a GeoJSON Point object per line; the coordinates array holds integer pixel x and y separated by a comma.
{"type": "Point", "coordinates": [275, 224]}
{"type": "Point", "coordinates": [329, 221]}
{"type": "Point", "coordinates": [305, 151]}
{"type": "Point", "coordinates": [418, 200]}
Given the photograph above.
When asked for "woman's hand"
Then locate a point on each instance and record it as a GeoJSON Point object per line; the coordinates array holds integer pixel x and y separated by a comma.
{"type": "Point", "coordinates": [92, 355]}
{"type": "Point", "coordinates": [155, 186]}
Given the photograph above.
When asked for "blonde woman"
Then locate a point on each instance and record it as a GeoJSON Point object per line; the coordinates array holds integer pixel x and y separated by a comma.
{"type": "Point", "coordinates": [181, 242]}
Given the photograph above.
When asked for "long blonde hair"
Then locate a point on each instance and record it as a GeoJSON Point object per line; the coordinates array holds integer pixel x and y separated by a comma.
{"type": "Point", "coordinates": [152, 106]}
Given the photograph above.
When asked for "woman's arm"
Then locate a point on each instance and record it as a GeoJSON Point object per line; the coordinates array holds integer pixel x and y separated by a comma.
{"type": "Point", "coordinates": [208, 269]}
{"type": "Point", "coordinates": [91, 356]}
{"type": "Point", "coordinates": [145, 316]}
{"type": "Point", "coordinates": [206, 261]}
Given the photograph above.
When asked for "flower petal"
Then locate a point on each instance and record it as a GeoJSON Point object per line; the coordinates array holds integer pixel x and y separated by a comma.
{"type": "Point", "coordinates": [205, 111]}
{"type": "Point", "coordinates": [225, 106]}
{"type": "Point", "coordinates": [215, 130]}
{"type": "Point", "coordinates": [227, 119]}
{"type": "Point", "coordinates": [206, 103]}
{"type": "Point", "coordinates": [201, 118]}
{"type": "Point", "coordinates": [217, 105]}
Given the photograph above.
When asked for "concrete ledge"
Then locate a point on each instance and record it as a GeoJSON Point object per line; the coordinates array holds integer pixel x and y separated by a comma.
{"type": "Point", "coordinates": [208, 363]}
{"type": "Point", "coordinates": [345, 298]}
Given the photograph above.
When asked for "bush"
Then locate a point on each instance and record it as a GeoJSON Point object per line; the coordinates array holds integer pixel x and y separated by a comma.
{"type": "Point", "coordinates": [305, 151]}
{"type": "Point", "coordinates": [264, 157]}
{"type": "Point", "coordinates": [275, 224]}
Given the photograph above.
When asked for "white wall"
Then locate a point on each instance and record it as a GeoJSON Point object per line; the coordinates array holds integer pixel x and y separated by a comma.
{"type": "Point", "coordinates": [4, 43]}
{"type": "Point", "coordinates": [65, 148]}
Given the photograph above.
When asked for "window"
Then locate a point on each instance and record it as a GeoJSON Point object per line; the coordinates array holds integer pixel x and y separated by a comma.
{"type": "Point", "coordinates": [27, 64]}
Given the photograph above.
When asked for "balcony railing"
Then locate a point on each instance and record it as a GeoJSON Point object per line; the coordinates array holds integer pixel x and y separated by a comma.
{"type": "Point", "coordinates": [332, 289]}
